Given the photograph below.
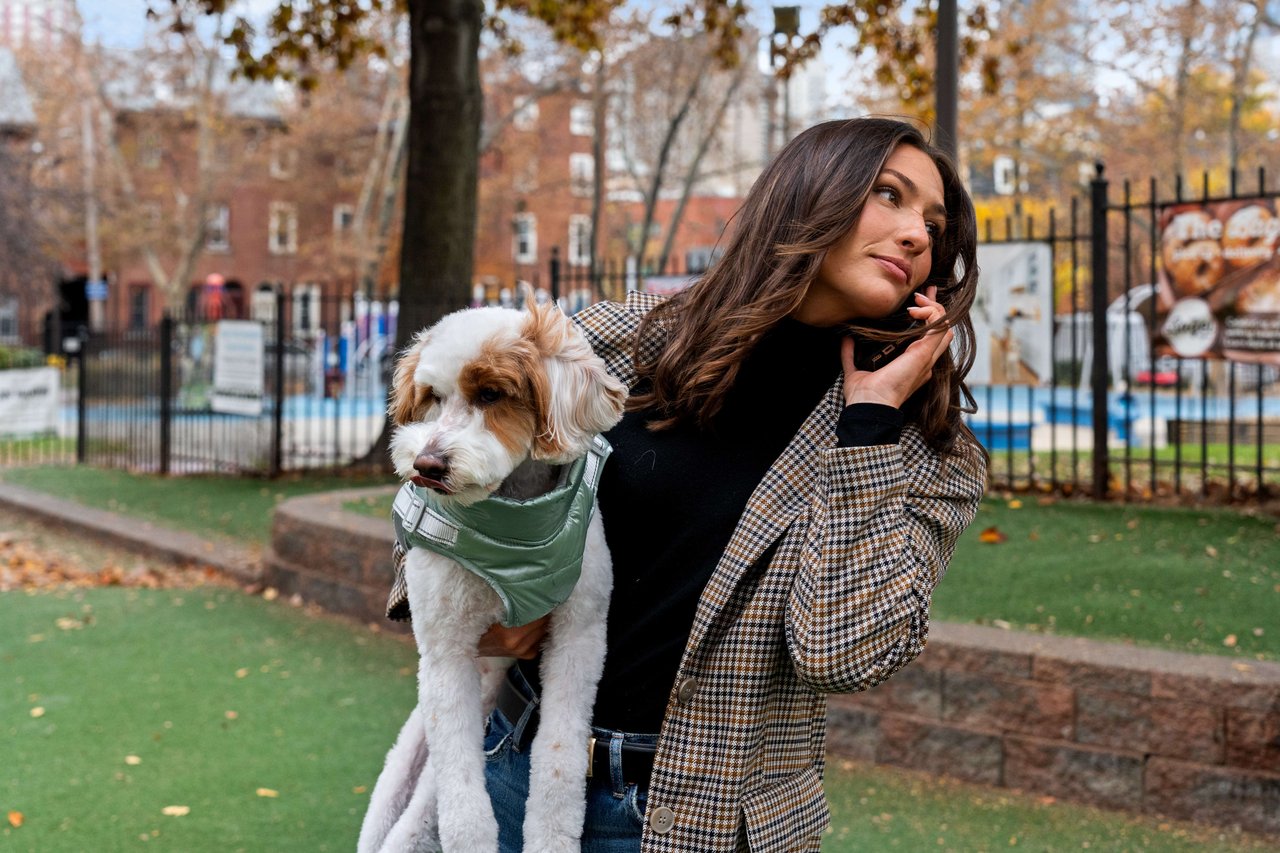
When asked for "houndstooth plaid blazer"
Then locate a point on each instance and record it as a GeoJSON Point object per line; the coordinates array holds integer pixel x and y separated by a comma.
{"type": "Point", "coordinates": [823, 588]}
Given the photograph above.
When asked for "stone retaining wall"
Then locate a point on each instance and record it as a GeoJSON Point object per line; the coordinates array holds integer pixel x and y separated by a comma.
{"type": "Point", "coordinates": [1189, 736]}
{"type": "Point", "coordinates": [1195, 737]}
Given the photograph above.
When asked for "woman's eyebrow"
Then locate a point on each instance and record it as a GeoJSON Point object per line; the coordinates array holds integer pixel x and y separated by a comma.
{"type": "Point", "coordinates": [911, 187]}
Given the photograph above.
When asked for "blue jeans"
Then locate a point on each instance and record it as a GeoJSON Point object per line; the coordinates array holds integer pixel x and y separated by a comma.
{"type": "Point", "coordinates": [615, 809]}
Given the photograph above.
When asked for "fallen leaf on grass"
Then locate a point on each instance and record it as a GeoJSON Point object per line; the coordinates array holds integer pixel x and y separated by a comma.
{"type": "Point", "coordinates": [37, 712]}
{"type": "Point", "coordinates": [1229, 641]}
{"type": "Point", "coordinates": [993, 536]}
{"type": "Point", "coordinates": [176, 811]}
{"type": "Point", "coordinates": [1015, 504]}
{"type": "Point", "coordinates": [132, 760]}
{"type": "Point", "coordinates": [15, 819]}
{"type": "Point", "coordinates": [268, 792]}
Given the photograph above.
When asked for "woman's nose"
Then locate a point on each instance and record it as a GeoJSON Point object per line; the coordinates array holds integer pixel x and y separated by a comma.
{"type": "Point", "coordinates": [913, 233]}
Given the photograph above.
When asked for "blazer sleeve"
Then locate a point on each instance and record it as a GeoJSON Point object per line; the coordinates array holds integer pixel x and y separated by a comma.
{"type": "Point", "coordinates": [883, 526]}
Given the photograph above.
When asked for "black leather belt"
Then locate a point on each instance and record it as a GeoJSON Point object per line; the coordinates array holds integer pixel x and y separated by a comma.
{"type": "Point", "coordinates": [637, 759]}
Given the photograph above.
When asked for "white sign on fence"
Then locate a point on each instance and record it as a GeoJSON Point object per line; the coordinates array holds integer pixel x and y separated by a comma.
{"type": "Point", "coordinates": [29, 401]}
{"type": "Point", "coordinates": [1013, 314]}
{"type": "Point", "coordinates": [238, 368]}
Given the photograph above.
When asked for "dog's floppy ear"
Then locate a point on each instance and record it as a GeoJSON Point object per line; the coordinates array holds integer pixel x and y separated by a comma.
{"type": "Point", "coordinates": [408, 402]}
{"type": "Point", "coordinates": [580, 398]}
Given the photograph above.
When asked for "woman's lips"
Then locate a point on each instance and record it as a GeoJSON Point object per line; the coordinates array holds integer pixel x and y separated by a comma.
{"type": "Point", "coordinates": [896, 267]}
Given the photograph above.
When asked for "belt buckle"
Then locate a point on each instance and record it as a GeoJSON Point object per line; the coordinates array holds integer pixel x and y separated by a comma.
{"type": "Point", "coordinates": [591, 754]}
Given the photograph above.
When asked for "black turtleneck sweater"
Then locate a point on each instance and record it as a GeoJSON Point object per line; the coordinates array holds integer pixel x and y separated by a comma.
{"type": "Point", "coordinates": [670, 501]}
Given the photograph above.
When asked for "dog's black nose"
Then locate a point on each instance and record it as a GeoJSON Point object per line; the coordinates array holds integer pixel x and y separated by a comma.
{"type": "Point", "coordinates": [431, 466]}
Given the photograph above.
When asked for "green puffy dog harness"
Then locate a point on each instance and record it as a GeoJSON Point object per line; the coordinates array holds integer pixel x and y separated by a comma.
{"type": "Point", "coordinates": [529, 551]}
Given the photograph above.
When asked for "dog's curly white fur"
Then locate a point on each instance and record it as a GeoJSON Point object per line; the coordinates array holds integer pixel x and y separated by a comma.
{"type": "Point", "coordinates": [487, 401]}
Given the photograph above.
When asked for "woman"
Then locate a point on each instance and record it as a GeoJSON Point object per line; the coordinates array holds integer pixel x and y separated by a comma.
{"type": "Point", "coordinates": [778, 517]}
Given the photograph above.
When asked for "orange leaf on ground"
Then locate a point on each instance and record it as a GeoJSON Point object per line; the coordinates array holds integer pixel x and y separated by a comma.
{"type": "Point", "coordinates": [15, 819]}
{"type": "Point", "coordinates": [993, 536]}
{"type": "Point", "coordinates": [268, 792]}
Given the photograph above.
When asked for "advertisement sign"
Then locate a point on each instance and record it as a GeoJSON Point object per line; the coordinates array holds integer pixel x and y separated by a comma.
{"type": "Point", "coordinates": [1013, 314]}
{"type": "Point", "coordinates": [238, 368]}
{"type": "Point", "coordinates": [1219, 281]}
{"type": "Point", "coordinates": [28, 401]}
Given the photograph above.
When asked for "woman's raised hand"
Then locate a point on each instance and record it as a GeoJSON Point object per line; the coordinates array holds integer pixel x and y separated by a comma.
{"type": "Point", "coordinates": [897, 380]}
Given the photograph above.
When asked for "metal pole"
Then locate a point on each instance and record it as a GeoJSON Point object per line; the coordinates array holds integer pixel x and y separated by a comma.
{"type": "Point", "coordinates": [82, 406]}
{"type": "Point", "coordinates": [277, 414]}
{"type": "Point", "coordinates": [166, 391]}
{"type": "Point", "coordinates": [946, 135]}
{"type": "Point", "coordinates": [96, 306]}
{"type": "Point", "coordinates": [1101, 359]}
{"type": "Point", "coordinates": [555, 273]}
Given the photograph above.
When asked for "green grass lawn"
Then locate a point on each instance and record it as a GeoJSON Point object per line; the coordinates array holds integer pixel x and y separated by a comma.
{"type": "Point", "coordinates": [234, 507]}
{"type": "Point", "coordinates": [267, 726]}
{"type": "Point", "coordinates": [1184, 579]}
{"type": "Point", "coordinates": [119, 703]}
{"type": "Point", "coordinates": [879, 808]}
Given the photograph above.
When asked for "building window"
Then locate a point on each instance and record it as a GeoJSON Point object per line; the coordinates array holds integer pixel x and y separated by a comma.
{"type": "Point", "coordinates": [524, 113]}
{"type": "Point", "coordinates": [582, 173]}
{"type": "Point", "coordinates": [579, 240]}
{"type": "Point", "coordinates": [525, 179]}
{"type": "Point", "coordinates": [282, 238]}
{"type": "Point", "coordinates": [526, 238]}
{"type": "Point", "coordinates": [306, 309]}
{"type": "Point", "coordinates": [217, 234]}
{"type": "Point", "coordinates": [9, 319]}
{"type": "Point", "coordinates": [581, 121]}
{"type": "Point", "coordinates": [344, 216]}
{"type": "Point", "coordinates": [284, 159]}
{"type": "Point", "coordinates": [139, 306]}
{"type": "Point", "coordinates": [149, 151]}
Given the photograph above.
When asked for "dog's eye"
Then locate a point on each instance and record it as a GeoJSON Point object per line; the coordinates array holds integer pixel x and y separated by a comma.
{"type": "Point", "coordinates": [488, 396]}
{"type": "Point", "coordinates": [435, 398]}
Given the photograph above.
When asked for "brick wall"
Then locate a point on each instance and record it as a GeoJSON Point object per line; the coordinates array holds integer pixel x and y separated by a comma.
{"type": "Point", "coordinates": [1189, 736]}
{"type": "Point", "coordinates": [1195, 737]}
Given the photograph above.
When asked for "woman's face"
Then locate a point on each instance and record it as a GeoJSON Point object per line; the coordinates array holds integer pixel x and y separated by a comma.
{"type": "Point", "coordinates": [886, 255]}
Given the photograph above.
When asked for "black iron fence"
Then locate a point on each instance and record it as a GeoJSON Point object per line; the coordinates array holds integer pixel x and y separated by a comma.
{"type": "Point", "coordinates": [1075, 308]}
{"type": "Point", "coordinates": [1164, 424]}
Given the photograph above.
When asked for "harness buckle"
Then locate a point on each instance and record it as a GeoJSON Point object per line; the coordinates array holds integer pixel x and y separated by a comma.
{"type": "Point", "coordinates": [412, 518]}
{"type": "Point", "coordinates": [591, 754]}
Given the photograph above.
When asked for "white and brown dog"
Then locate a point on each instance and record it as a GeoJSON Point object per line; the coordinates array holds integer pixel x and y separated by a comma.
{"type": "Point", "coordinates": [493, 401]}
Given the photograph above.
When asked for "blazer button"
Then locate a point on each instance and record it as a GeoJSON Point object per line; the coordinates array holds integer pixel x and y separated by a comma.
{"type": "Point", "coordinates": [686, 691]}
{"type": "Point", "coordinates": [661, 820]}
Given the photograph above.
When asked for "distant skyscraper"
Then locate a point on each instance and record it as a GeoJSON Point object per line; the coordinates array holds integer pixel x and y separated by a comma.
{"type": "Point", "coordinates": [37, 23]}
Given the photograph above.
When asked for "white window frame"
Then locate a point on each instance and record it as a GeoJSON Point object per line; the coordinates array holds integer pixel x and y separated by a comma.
{"type": "Point", "coordinates": [524, 113]}
{"type": "Point", "coordinates": [218, 229]}
{"type": "Point", "coordinates": [306, 309]}
{"type": "Point", "coordinates": [284, 159]}
{"type": "Point", "coordinates": [579, 240]}
{"type": "Point", "coordinates": [581, 119]}
{"type": "Point", "coordinates": [582, 173]}
{"type": "Point", "coordinates": [524, 240]}
{"type": "Point", "coordinates": [282, 220]}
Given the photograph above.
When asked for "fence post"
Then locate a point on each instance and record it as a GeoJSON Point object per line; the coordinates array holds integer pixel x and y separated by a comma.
{"type": "Point", "coordinates": [1101, 357]}
{"type": "Point", "coordinates": [555, 274]}
{"type": "Point", "coordinates": [82, 405]}
{"type": "Point", "coordinates": [277, 413]}
{"type": "Point", "coordinates": [166, 391]}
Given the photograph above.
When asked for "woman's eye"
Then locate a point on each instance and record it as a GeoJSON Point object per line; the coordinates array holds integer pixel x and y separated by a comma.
{"type": "Point", "coordinates": [889, 194]}
{"type": "Point", "coordinates": [933, 228]}
{"type": "Point", "coordinates": [488, 396]}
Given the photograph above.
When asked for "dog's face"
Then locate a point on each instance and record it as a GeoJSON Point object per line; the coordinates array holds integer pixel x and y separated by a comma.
{"type": "Point", "coordinates": [485, 389]}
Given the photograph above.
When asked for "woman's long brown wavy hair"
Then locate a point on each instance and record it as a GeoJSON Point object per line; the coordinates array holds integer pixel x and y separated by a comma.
{"type": "Point", "coordinates": [807, 199]}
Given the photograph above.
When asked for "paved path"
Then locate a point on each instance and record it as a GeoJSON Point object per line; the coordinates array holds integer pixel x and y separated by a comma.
{"type": "Point", "coordinates": [242, 562]}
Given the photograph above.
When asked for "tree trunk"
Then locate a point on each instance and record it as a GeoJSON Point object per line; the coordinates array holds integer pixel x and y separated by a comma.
{"type": "Point", "coordinates": [445, 104]}
{"type": "Point", "coordinates": [444, 137]}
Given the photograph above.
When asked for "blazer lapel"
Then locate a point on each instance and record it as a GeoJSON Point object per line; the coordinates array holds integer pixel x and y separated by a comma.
{"type": "Point", "coordinates": [780, 496]}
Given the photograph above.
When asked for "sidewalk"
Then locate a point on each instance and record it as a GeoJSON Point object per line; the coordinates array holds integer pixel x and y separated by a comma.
{"type": "Point", "coordinates": [242, 562]}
